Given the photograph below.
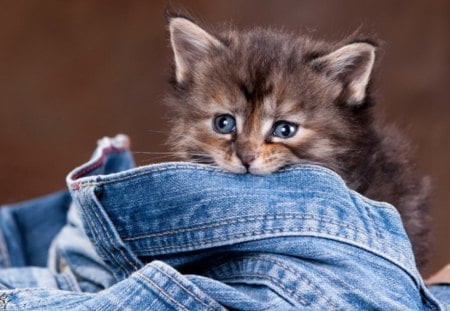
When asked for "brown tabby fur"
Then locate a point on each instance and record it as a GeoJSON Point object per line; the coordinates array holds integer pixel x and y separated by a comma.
{"type": "Point", "coordinates": [264, 75]}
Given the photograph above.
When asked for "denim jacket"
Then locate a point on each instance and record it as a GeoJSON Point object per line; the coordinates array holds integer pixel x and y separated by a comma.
{"type": "Point", "coordinates": [183, 236]}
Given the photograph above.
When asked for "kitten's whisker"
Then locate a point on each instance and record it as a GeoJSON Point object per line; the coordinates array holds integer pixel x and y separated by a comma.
{"type": "Point", "coordinates": [157, 153]}
{"type": "Point", "coordinates": [156, 132]}
{"type": "Point", "coordinates": [168, 152]}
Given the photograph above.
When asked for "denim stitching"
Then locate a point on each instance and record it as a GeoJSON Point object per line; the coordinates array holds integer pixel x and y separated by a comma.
{"type": "Point", "coordinates": [263, 232]}
{"type": "Point", "coordinates": [96, 163]}
{"type": "Point", "coordinates": [275, 281]}
{"type": "Point", "coordinates": [281, 264]}
{"type": "Point", "coordinates": [371, 215]}
{"type": "Point", "coordinates": [267, 234]}
{"type": "Point", "coordinates": [182, 286]}
{"type": "Point", "coordinates": [258, 234]}
{"type": "Point", "coordinates": [99, 242]}
{"type": "Point", "coordinates": [40, 300]}
{"type": "Point", "coordinates": [69, 282]}
{"type": "Point", "coordinates": [317, 169]}
{"type": "Point", "coordinates": [160, 290]}
{"type": "Point", "coordinates": [375, 226]}
{"type": "Point", "coordinates": [27, 304]}
{"type": "Point", "coordinates": [371, 202]}
{"type": "Point", "coordinates": [111, 240]}
{"type": "Point", "coordinates": [250, 219]}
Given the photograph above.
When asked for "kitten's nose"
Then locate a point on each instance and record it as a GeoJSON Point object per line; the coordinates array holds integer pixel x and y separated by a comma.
{"type": "Point", "coordinates": [246, 157]}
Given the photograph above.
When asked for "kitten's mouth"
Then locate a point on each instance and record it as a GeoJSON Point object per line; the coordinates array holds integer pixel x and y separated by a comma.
{"type": "Point", "coordinates": [252, 168]}
{"type": "Point", "coordinates": [234, 166]}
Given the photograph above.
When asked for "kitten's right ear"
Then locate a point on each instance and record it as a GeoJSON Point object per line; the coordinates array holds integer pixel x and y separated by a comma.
{"type": "Point", "coordinates": [352, 65]}
{"type": "Point", "coordinates": [190, 43]}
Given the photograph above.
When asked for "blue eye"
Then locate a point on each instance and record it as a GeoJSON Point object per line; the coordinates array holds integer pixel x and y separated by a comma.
{"type": "Point", "coordinates": [224, 124]}
{"type": "Point", "coordinates": [284, 129]}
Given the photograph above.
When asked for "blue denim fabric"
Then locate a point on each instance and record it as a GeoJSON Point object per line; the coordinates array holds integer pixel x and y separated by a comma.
{"type": "Point", "coordinates": [185, 236]}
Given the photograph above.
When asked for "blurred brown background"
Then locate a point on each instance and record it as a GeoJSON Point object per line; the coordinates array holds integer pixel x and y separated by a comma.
{"type": "Point", "coordinates": [74, 71]}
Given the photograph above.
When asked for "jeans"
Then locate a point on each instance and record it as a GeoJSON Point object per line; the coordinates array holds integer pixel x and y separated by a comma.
{"type": "Point", "coordinates": [186, 236]}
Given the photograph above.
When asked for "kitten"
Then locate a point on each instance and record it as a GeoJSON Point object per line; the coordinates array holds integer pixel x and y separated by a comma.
{"type": "Point", "coordinates": [255, 101]}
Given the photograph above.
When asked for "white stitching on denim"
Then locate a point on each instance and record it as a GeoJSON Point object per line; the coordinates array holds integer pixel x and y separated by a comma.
{"type": "Point", "coordinates": [275, 281]}
{"type": "Point", "coordinates": [257, 234]}
{"type": "Point", "coordinates": [371, 202]}
{"type": "Point", "coordinates": [99, 242]}
{"type": "Point", "coordinates": [266, 234]}
{"type": "Point", "coordinates": [182, 286]}
{"type": "Point", "coordinates": [321, 171]}
{"type": "Point", "coordinates": [286, 267]}
{"type": "Point", "coordinates": [324, 219]}
{"type": "Point", "coordinates": [292, 216]}
{"type": "Point", "coordinates": [69, 281]}
{"type": "Point", "coordinates": [109, 237]}
{"type": "Point", "coordinates": [375, 226]}
{"type": "Point", "coordinates": [43, 300]}
{"type": "Point", "coordinates": [159, 289]}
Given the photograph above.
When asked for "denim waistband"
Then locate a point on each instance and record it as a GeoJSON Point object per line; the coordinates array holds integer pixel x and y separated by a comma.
{"type": "Point", "coordinates": [181, 207]}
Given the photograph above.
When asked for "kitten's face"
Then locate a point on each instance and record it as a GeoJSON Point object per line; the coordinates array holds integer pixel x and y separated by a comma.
{"type": "Point", "coordinates": [261, 101]}
{"type": "Point", "coordinates": [259, 132]}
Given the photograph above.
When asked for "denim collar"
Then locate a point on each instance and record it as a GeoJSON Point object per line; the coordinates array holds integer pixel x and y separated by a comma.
{"type": "Point", "coordinates": [170, 208]}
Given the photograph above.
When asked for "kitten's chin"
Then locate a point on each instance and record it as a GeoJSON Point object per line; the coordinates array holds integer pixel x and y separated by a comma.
{"type": "Point", "coordinates": [254, 170]}
{"type": "Point", "coordinates": [237, 170]}
{"type": "Point", "coordinates": [260, 172]}
{"type": "Point", "coordinates": [234, 169]}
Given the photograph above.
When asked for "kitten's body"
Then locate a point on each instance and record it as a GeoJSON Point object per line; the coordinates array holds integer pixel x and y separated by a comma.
{"type": "Point", "coordinates": [263, 77]}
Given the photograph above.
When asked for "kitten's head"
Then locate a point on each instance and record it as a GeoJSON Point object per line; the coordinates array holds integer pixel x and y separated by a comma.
{"type": "Point", "coordinates": [255, 101]}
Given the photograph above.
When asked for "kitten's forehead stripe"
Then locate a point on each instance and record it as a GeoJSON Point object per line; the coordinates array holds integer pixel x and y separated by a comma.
{"type": "Point", "coordinates": [253, 121]}
{"type": "Point", "coordinates": [257, 88]}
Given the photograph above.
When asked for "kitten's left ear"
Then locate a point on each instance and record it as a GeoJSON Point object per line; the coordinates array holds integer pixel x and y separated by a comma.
{"type": "Point", "coordinates": [352, 66]}
{"type": "Point", "coordinates": [190, 44]}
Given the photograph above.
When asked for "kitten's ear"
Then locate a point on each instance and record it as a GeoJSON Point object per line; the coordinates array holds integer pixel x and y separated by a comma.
{"type": "Point", "coordinates": [190, 43]}
{"type": "Point", "coordinates": [352, 66]}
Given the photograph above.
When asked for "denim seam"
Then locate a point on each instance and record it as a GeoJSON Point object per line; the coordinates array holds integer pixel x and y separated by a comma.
{"type": "Point", "coordinates": [272, 279]}
{"type": "Point", "coordinates": [174, 279]}
{"type": "Point", "coordinates": [255, 234]}
{"type": "Point", "coordinates": [111, 241]}
{"type": "Point", "coordinates": [374, 224]}
{"type": "Point", "coordinates": [321, 171]}
{"type": "Point", "coordinates": [377, 204]}
{"type": "Point", "coordinates": [370, 214]}
{"type": "Point", "coordinates": [98, 241]}
{"type": "Point", "coordinates": [302, 277]}
{"type": "Point", "coordinates": [247, 219]}
{"type": "Point", "coordinates": [160, 290]}
{"type": "Point", "coordinates": [35, 301]}
{"type": "Point", "coordinates": [96, 163]}
{"type": "Point", "coordinates": [261, 234]}
{"type": "Point", "coordinates": [397, 259]}
{"type": "Point", "coordinates": [71, 282]}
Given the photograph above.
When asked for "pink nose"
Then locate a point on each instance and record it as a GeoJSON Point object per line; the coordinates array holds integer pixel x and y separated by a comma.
{"type": "Point", "coordinates": [246, 157]}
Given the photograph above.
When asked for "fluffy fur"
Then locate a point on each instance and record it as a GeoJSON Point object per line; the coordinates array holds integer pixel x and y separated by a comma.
{"type": "Point", "coordinates": [261, 76]}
